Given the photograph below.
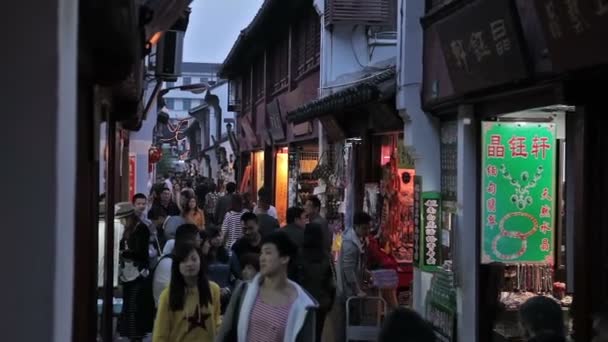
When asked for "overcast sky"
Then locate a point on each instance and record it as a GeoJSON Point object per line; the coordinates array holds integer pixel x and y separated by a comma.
{"type": "Point", "coordinates": [214, 26]}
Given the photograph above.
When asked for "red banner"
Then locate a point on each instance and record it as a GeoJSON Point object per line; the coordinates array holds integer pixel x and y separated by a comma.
{"type": "Point", "coordinates": [132, 177]}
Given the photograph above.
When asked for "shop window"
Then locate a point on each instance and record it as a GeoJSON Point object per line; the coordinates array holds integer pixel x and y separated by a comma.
{"type": "Point", "coordinates": [307, 35]}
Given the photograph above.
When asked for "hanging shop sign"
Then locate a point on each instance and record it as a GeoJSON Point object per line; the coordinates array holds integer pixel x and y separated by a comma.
{"type": "Point", "coordinates": [430, 230]}
{"type": "Point", "coordinates": [572, 26]}
{"type": "Point", "coordinates": [518, 191]}
{"type": "Point", "coordinates": [132, 174]}
{"type": "Point", "coordinates": [416, 208]}
{"type": "Point", "coordinates": [273, 110]}
{"type": "Point", "coordinates": [250, 136]}
{"type": "Point", "coordinates": [483, 46]}
{"type": "Point", "coordinates": [449, 154]}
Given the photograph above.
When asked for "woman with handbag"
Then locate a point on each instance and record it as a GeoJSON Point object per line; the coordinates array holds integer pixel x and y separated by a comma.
{"type": "Point", "coordinates": [137, 314]}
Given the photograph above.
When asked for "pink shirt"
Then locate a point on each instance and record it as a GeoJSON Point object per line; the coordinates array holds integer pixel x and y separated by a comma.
{"type": "Point", "coordinates": [267, 322]}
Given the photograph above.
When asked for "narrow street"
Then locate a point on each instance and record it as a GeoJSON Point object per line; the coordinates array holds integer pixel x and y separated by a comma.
{"type": "Point", "coordinates": [305, 170]}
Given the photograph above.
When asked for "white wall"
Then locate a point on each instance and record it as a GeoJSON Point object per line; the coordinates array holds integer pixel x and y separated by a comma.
{"type": "Point", "coordinates": [422, 131]}
{"type": "Point", "coordinates": [178, 96]}
{"type": "Point", "coordinates": [345, 49]}
{"type": "Point", "coordinates": [38, 217]}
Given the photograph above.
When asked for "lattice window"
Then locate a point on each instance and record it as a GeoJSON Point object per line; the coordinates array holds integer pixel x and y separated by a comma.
{"type": "Point", "coordinates": [234, 95]}
{"type": "Point", "coordinates": [307, 43]}
{"type": "Point", "coordinates": [258, 79]}
{"type": "Point", "coordinates": [278, 66]}
{"type": "Point", "coordinates": [246, 90]}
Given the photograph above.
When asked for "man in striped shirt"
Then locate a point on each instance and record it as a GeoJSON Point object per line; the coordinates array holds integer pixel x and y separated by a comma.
{"type": "Point", "coordinates": [271, 308]}
{"type": "Point", "coordinates": [232, 227]}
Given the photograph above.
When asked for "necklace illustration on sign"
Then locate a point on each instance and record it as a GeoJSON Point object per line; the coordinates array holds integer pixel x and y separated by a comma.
{"type": "Point", "coordinates": [521, 199]}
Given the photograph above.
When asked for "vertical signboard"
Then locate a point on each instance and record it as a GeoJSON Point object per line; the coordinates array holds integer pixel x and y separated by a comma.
{"type": "Point", "coordinates": [132, 174]}
{"type": "Point", "coordinates": [430, 224]}
{"type": "Point", "coordinates": [417, 198]}
{"type": "Point", "coordinates": [275, 122]}
{"type": "Point", "coordinates": [518, 192]}
{"type": "Point", "coordinates": [449, 156]}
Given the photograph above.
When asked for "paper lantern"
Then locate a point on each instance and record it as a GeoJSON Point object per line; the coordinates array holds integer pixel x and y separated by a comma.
{"type": "Point", "coordinates": [154, 155]}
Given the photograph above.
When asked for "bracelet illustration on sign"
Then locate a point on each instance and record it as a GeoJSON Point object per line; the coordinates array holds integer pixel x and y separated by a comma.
{"type": "Point", "coordinates": [515, 235]}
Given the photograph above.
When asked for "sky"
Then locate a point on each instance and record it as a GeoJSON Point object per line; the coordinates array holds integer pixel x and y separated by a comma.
{"type": "Point", "coordinates": [214, 26]}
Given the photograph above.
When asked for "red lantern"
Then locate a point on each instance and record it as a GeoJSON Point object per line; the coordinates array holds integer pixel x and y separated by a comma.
{"type": "Point", "coordinates": [154, 155]}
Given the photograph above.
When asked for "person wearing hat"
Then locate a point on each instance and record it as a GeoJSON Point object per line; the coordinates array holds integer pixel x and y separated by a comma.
{"type": "Point", "coordinates": [137, 314]}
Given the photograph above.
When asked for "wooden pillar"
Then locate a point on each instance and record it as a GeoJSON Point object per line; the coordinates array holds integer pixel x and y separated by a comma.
{"type": "Point", "coordinates": [84, 313]}
{"type": "Point", "coordinates": [111, 199]}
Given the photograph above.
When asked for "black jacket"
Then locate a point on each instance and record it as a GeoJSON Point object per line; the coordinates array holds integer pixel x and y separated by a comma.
{"type": "Point", "coordinates": [267, 224]}
{"type": "Point", "coordinates": [222, 206]}
{"type": "Point", "coordinates": [317, 278]}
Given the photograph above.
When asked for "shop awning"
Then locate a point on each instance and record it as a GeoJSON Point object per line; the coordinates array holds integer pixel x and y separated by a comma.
{"type": "Point", "coordinates": [370, 88]}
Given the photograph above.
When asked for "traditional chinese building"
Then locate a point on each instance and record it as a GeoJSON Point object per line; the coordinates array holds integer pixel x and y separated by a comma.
{"type": "Point", "coordinates": [516, 87]}
{"type": "Point", "coordinates": [274, 67]}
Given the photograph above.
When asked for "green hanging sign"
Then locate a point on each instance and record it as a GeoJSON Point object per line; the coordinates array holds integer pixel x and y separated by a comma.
{"type": "Point", "coordinates": [518, 192]}
{"type": "Point", "coordinates": [430, 231]}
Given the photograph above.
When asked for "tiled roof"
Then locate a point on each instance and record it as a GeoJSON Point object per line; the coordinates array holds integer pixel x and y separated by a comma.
{"type": "Point", "coordinates": [359, 93]}
{"type": "Point", "coordinates": [248, 34]}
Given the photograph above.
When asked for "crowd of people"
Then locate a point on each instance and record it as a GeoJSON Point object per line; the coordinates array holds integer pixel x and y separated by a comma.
{"type": "Point", "coordinates": [200, 262]}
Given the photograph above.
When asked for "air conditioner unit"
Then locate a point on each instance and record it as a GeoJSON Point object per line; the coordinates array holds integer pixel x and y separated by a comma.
{"type": "Point", "coordinates": [169, 56]}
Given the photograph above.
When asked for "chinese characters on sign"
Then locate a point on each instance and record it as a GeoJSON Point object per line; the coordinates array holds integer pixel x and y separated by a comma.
{"type": "Point", "coordinates": [273, 111]}
{"type": "Point", "coordinates": [572, 26]}
{"type": "Point", "coordinates": [481, 45]}
{"type": "Point", "coordinates": [417, 192]}
{"type": "Point", "coordinates": [449, 154]}
{"type": "Point", "coordinates": [518, 182]}
{"type": "Point", "coordinates": [431, 229]}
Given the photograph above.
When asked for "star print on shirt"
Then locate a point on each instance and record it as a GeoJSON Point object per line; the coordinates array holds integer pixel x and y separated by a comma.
{"type": "Point", "coordinates": [197, 319]}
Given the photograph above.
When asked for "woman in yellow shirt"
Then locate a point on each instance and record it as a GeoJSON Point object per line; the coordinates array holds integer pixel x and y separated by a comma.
{"type": "Point", "coordinates": [190, 211]}
{"type": "Point", "coordinates": [189, 309]}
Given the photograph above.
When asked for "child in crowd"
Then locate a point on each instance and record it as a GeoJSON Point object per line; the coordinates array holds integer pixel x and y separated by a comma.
{"type": "Point", "coordinates": [250, 264]}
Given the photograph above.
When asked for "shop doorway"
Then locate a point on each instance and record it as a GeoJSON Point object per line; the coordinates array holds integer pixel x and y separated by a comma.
{"type": "Point", "coordinates": [525, 242]}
